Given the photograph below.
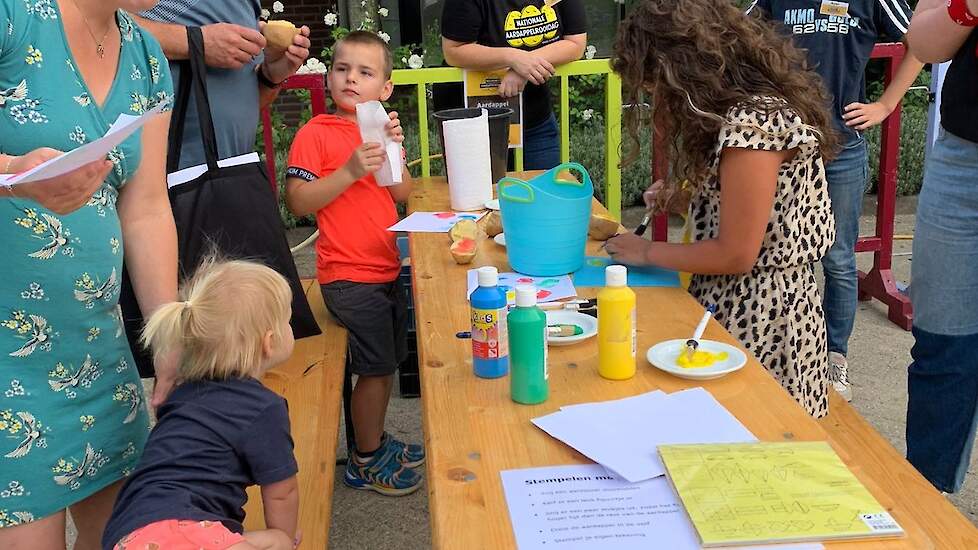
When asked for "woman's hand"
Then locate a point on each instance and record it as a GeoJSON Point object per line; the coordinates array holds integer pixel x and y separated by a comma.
{"type": "Point", "coordinates": [62, 194]}
{"type": "Point", "coordinates": [531, 66]}
{"type": "Point", "coordinates": [512, 84]}
{"type": "Point", "coordinates": [628, 249]}
{"type": "Point", "coordinates": [167, 369]}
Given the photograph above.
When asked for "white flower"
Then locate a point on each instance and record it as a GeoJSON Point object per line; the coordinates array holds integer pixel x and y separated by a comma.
{"type": "Point", "coordinates": [587, 114]}
{"type": "Point", "coordinates": [404, 60]}
{"type": "Point", "coordinates": [383, 12]}
{"type": "Point", "coordinates": [312, 66]}
{"type": "Point", "coordinates": [589, 52]}
{"type": "Point", "coordinates": [363, 3]}
{"type": "Point", "coordinates": [330, 19]}
{"type": "Point", "coordinates": [265, 14]}
{"type": "Point", "coordinates": [277, 7]}
{"type": "Point", "coordinates": [416, 61]}
{"type": "Point", "coordinates": [385, 37]}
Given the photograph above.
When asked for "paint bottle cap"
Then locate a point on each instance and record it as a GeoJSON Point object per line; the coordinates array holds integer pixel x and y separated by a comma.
{"type": "Point", "coordinates": [526, 296]}
{"type": "Point", "coordinates": [488, 276]}
{"type": "Point", "coordinates": [615, 276]}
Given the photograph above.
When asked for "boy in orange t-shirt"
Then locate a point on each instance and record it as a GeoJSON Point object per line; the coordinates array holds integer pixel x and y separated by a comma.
{"type": "Point", "coordinates": [331, 173]}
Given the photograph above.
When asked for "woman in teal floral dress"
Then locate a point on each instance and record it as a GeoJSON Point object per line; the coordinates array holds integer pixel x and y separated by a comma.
{"type": "Point", "coordinates": [72, 415]}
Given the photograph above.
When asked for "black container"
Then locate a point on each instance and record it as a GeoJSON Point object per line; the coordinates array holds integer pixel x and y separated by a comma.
{"type": "Point", "coordinates": [499, 120]}
{"type": "Point", "coordinates": [408, 378]}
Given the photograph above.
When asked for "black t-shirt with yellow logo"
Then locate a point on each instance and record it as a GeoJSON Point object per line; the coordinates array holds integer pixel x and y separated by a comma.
{"type": "Point", "coordinates": [523, 24]}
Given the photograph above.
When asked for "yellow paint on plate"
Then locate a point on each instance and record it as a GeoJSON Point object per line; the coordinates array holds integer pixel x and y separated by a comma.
{"type": "Point", "coordinates": [700, 359]}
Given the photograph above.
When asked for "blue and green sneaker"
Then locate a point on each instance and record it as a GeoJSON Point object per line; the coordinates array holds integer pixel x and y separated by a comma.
{"type": "Point", "coordinates": [381, 473]}
{"type": "Point", "coordinates": [410, 456]}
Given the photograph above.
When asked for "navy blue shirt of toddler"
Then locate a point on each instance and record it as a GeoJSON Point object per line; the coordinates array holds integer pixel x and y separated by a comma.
{"type": "Point", "coordinates": [212, 441]}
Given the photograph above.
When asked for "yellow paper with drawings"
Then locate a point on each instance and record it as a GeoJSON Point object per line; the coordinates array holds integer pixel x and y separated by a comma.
{"type": "Point", "coordinates": [748, 493]}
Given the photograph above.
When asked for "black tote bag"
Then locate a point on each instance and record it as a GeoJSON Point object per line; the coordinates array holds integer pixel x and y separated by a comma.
{"type": "Point", "coordinates": [230, 211]}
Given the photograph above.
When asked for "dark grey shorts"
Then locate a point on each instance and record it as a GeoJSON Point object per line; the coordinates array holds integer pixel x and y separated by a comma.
{"type": "Point", "coordinates": [376, 317]}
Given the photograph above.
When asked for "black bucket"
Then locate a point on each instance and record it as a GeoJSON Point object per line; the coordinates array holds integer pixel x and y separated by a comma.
{"type": "Point", "coordinates": [499, 120]}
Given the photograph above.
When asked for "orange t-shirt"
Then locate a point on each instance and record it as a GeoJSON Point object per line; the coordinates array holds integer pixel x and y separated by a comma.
{"type": "Point", "coordinates": [354, 243]}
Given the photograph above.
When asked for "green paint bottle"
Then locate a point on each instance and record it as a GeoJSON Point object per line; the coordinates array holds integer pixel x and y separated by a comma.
{"type": "Point", "coordinates": [527, 349]}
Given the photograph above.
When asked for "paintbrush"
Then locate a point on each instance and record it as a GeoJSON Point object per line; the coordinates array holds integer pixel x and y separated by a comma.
{"type": "Point", "coordinates": [693, 343]}
{"type": "Point", "coordinates": [644, 226]}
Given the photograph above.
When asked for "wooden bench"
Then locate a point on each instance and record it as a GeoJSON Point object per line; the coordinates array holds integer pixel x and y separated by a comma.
{"type": "Point", "coordinates": [312, 382]}
{"type": "Point", "coordinates": [850, 433]}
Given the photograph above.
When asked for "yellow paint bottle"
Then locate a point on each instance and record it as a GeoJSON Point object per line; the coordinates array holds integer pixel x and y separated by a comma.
{"type": "Point", "coordinates": [616, 326]}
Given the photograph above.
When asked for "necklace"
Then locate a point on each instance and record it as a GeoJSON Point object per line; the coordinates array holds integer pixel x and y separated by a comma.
{"type": "Point", "coordinates": [98, 43]}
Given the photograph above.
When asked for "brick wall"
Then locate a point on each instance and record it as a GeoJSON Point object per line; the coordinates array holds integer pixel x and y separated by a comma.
{"type": "Point", "coordinates": [309, 13]}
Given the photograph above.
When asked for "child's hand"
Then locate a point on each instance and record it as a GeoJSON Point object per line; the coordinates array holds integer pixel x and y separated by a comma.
{"type": "Point", "coordinates": [394, 129]}
{"type": "Point", "coordinates": [628, 249]}
{"type": "Point", "coordinates": [863, 116]}
{"type": "Point", "coordinates": [366, 159]}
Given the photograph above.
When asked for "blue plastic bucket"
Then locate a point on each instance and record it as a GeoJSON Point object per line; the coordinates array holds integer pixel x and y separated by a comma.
{"type": "Point", "coordinates": [546, 221]}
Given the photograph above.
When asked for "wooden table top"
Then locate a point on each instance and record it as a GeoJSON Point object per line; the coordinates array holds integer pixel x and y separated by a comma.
{"type": "Point", "coordinates": [473, 430]}
{"type": "Point", "coordinates": [312, 381]}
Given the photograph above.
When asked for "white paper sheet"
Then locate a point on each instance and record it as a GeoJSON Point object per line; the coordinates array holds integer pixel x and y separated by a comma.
{"type": "Point", "coordinates": [433, 222]}
{"type": "Point", "coordinates": [549, 289]}
{"type": "Point", "coordinates": [623, 435]}
{"type": "Point", "coordinates": [372, 120]}
{"type": "Point", "coordinates": [467, 162]}
{"type": "Point", "coordinates": [581, 507]}
{"type": "Point", "coordinates": [122, 128]}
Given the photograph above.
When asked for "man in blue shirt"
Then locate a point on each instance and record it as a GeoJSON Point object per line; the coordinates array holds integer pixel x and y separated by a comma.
{"type": "Point", "coordinates": [240, 78]}
{"type": "Point", "coordinates": [839, 37]}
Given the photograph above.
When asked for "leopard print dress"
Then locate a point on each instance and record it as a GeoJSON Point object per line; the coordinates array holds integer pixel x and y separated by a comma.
{"type": "Point", "coordinates": [775, 310]}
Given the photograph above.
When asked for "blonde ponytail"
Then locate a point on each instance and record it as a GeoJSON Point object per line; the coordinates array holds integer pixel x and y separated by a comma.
{"type": "Point", "coordinates": [227, 308]}
{"type": "Point", "coordinates": [165, 329]}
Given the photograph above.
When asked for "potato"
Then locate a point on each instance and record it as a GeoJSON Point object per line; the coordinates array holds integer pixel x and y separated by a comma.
{"type": "Point", "coordinates": [603, 228]}
{"type": "Point", "coordinates": [492, 224]}
{"type": "Point", "coordinates": [464, 250]}
{"type": "Point", "coordinates": [279, 34]}
{"type": "Point", "coordinates": [464, 229]}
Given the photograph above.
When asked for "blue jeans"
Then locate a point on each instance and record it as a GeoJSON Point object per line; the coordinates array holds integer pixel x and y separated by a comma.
{"type": "Point", "coordinates": [541, 145]}
{"type": "Point", "coordinates": [943, 378]}
{"type": "Point", "coordinates": [847, 176]}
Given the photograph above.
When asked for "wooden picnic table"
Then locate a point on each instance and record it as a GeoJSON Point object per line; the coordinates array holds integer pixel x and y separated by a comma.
{"type": "Point", "coordinates": [312, 382]}
{"type": "Point", "coordinates": [473, 431]}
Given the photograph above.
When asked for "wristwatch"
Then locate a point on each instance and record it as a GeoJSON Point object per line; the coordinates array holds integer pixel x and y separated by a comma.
{"type": "Point", "coordinates": [264, 80]}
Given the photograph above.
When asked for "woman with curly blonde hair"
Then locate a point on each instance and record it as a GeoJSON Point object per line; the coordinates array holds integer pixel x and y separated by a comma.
{"type": "Point", "coordinates": [749, 132]}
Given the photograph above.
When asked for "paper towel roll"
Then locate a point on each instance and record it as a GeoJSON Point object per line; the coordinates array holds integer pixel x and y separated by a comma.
{"type": "Point", "coordinates": [467, 162]}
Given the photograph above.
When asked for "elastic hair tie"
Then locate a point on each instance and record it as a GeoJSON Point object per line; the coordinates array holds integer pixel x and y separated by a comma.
{"type": "Point", "coordinates": [187, 304]}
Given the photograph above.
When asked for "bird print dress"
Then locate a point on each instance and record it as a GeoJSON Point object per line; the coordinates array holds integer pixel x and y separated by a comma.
{"type": "Point", "coordinates": [72, 414]}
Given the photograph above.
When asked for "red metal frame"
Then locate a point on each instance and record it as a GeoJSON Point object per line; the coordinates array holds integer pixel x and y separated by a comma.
{"type": "Point", "coordinates": [879, 282]}
{"type": "Point", "coordinates": [316, 84]}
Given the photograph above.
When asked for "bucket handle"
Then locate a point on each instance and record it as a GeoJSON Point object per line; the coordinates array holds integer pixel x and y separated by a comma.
{"type": "Point", "coordinates": [507, 182]}
{"type": "Point", "coordinates": [575, 167]}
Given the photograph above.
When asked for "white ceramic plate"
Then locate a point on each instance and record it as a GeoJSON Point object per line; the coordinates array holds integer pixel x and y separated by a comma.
{"type": "Point", "coordinates": [663, 357]}
{"type": "Point", "coordinates": [493, 204]}
{"type": "Point", "coordinates": [570, 317]}
{"type": "Point", "coordinates": [500, 239]}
